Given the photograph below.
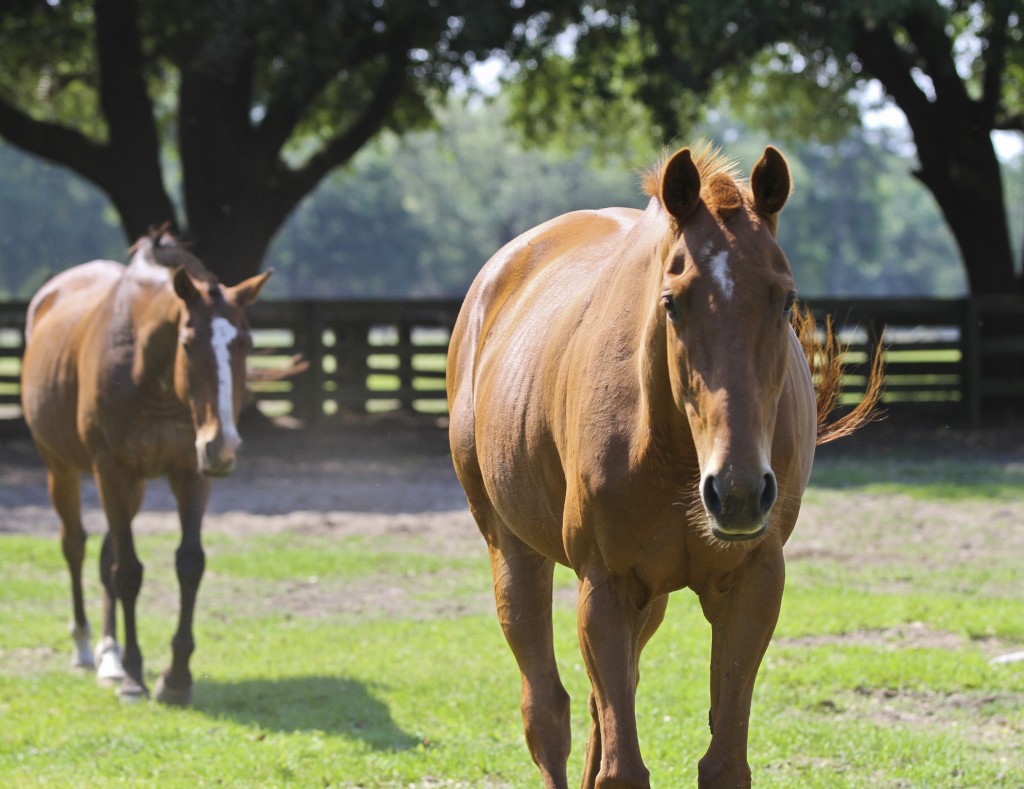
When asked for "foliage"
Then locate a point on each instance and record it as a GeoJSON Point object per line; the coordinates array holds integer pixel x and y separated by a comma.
{"type": "Point", "coordinates": [49, 221]}
{"type": "Point", "coordinates": [457, 193]}
{"type": "Point", "coordinates": [419, 215]}
{"type": "Point", "coordinates": [955, 69]}
{"type": "Point", "coordinates": [261, 99]}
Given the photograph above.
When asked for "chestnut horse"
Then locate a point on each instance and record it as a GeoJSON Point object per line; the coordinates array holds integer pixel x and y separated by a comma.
{"type": "Point", "coordinates": [132, 373]}
{"type": "Point", "coordinates": [629, 398]}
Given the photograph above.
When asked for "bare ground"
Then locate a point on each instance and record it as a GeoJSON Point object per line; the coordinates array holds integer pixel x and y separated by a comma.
{"type": "Point", "coordinates": [394, 475]}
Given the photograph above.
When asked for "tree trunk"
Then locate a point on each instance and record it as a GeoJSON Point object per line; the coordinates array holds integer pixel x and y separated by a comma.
{"type": "Point", "coordinates": [233, 206]}
{"type": "Point", "coordinates": [964, 176]}
{"type": "Point", "coordinates": [952, 135]}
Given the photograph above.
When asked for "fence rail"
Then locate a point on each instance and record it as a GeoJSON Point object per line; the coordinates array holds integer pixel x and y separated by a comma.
{"type": "Point", "coordinates": [380, 355]}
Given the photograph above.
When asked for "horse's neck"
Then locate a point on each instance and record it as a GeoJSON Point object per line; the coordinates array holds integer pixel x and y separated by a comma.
{"type": "Point", "coordinates": [146, 316]}
{"type": "Point", "coordinates": [660, 426]}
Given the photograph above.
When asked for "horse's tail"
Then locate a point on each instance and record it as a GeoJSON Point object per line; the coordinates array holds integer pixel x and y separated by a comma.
{"type": "Point", "coordinates": [825, 358]}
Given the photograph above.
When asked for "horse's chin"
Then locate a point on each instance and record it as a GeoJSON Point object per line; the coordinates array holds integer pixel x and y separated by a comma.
{"type": "Point", "coordinates": [734, 537]}
{"type": "Point", "coordinates": [217, 471]}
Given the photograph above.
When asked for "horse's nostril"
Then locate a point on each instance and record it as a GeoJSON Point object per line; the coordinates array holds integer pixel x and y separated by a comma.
{"type": "Point", "coordinates": [709, 492]}
{"type": "Point", "coordinates": [768, 493]}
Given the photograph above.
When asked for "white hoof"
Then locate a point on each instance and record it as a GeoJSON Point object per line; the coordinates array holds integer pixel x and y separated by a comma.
{"type": "Point", "coordinates": [108, 656]}
{"type": "Point", "coordinates": [81, 655]}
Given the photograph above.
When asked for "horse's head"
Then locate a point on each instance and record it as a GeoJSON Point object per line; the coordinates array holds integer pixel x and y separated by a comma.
{"type": "Point", "coordinates": [727, 293]}
{"type": "Point", "coordinates": [210, 369]}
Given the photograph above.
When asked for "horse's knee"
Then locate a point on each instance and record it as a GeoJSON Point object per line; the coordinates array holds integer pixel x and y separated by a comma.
{"type": "Point", "coordinates": [190, 563]}
{"type": "Point", "coordinates": [127, 578]}
{"type": "Point", "coordinates": [546, 714]}
{"type": "Point", "coordinates": [72, 543]}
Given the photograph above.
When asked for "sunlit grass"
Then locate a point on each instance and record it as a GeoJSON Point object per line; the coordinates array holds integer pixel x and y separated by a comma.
{"type": "Point", "coordinates": [376, 661]}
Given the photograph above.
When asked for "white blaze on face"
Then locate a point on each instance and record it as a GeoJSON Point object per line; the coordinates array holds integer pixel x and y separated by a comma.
{"type": "Point", "coordinates": [222, 333]}
{"type": "Point", "coordinates": [722, 275]}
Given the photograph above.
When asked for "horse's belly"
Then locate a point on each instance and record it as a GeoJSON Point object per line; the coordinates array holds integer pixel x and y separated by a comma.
{"type": "Point", "coordinates": [49, 400]}
{"type": "Point", "coordinates": [526, 486]}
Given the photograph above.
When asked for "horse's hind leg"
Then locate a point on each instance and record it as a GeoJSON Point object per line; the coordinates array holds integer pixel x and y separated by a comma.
{"type": "Point", "coordinates": [64, 486]}
{"type": "Point", "coordinates": [191, 491]}
{"type": "Point", "coordinates": [121, 574]}
{"type": "Point", "coordinates": [522, 592]}
{"type": "Point", "coordinates": [109, 670]}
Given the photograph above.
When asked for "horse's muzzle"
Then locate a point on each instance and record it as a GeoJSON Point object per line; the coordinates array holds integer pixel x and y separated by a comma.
{"type": "Point", "coordinates": [739, 508]}
{"type": "Point", "coordinates": [217, 458]}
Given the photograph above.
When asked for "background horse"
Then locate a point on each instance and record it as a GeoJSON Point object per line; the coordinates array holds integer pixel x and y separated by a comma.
{"type": "Point", "coordinates": [132, 373]}
{"type": "Point", "coordinates": [629, 398]}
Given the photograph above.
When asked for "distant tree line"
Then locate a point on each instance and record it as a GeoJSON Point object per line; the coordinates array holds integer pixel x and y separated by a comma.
{"type": "Point", "coordinates": [418, 215]}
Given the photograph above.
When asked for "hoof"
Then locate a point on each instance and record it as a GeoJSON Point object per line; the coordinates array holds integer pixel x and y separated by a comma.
{"type": "Point", "coordinates": [132, 695]}
{"type": "Point", "coordinates": [108, 656]}
{"type": "Point", "coordinates": [174, 697]}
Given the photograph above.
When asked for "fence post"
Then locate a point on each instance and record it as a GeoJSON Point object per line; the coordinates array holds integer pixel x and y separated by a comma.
{"type": "Point", "coordinates": [970, 357]}
{"type": "Point", "coordinates": [309, 341]}
{"type": "Point", "coordinates": [405, 371]}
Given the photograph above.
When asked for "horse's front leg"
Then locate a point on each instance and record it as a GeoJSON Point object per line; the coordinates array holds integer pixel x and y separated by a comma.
{"type": "Point", "coordinates": [121, 572]}
{"type": "Point", "coordinates": [743, 618]}
{"type": "Point", "coordinates": [192, 491]}
{"type": "Point", "coordinates": [610, 624]}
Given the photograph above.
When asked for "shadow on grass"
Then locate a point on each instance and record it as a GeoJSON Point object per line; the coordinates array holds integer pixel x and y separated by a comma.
{"type": "Point", "coordinates": [332, 705]}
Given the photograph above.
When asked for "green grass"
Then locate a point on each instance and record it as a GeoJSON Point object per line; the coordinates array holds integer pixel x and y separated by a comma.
{"type": "Point", "coordinates": [296, 688]}
{"type": "Point", "coordinates": [922, 477]}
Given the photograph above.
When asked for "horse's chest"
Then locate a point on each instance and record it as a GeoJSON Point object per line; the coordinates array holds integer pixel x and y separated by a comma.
{"type": "Point", "coordinates": [155, 447]}
{"type": "Point", "coordinates": [647, 536]}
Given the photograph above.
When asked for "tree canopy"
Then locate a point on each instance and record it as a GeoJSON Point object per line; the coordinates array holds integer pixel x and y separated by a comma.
{"type": "Point", "coordinates": [222, 116]}
{"type": "Point", "coordinates": [954, 67]}
{"type": "Point", "coordinates": [257, 101]}
{"type": "Point", "coordinates": [418, 214]}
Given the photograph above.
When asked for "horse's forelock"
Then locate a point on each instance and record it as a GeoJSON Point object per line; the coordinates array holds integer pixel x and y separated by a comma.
{"type": "Point", "coordinates": [722, 182]}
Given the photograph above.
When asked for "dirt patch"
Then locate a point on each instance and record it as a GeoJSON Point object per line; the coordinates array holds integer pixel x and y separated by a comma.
{"type": "Point", "coordinates": [393, 476]}
{"type": "Point", "coordinates": [960, 711]}
{"type": "Point", "coordinates": [362, 477]}
{"type": "Point", "coordinates": [913, 635]}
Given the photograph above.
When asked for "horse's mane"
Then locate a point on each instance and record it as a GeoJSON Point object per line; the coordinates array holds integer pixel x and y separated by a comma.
{"type": "Point", "coordinates": [168, 250]}
{"type": "Point", "coordinates": [711, 163]}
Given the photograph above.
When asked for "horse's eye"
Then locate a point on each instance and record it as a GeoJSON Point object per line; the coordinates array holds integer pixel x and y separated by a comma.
{"type": "Point", "coordinates": [790, 302]}
{"type": "Point", "coordinates": [670, 308]}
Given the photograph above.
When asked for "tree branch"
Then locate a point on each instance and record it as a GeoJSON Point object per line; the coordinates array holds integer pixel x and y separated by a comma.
{"type": "Point", "coordinates": [927, 31]}
{"type": "Point", "coordinates": [994, 58]}
{"type": "Point", "coordinates": [285, 111]}
{"type": "Point", "coordinates": [342, 147]}
{"type": "Point", "coordinates": [876, 48]}
{"type": "Point", "coordinates": [53, 142]}
{"type": "Point", "coordinates": [124, 98]}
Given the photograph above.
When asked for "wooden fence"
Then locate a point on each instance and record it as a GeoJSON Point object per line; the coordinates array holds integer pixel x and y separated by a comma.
{"type": "Point", "coordinates": [380, 355]}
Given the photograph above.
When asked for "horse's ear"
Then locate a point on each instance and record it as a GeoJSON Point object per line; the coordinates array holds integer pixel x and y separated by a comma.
{"type": "Point", "coordinates": [245, 292]}
{"type": "Point", "coordinates": [770, 183]}
{"type": "Point", "coordinates": [184, 286]}
{"type": "Point", "coordinates": [680, 185]}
